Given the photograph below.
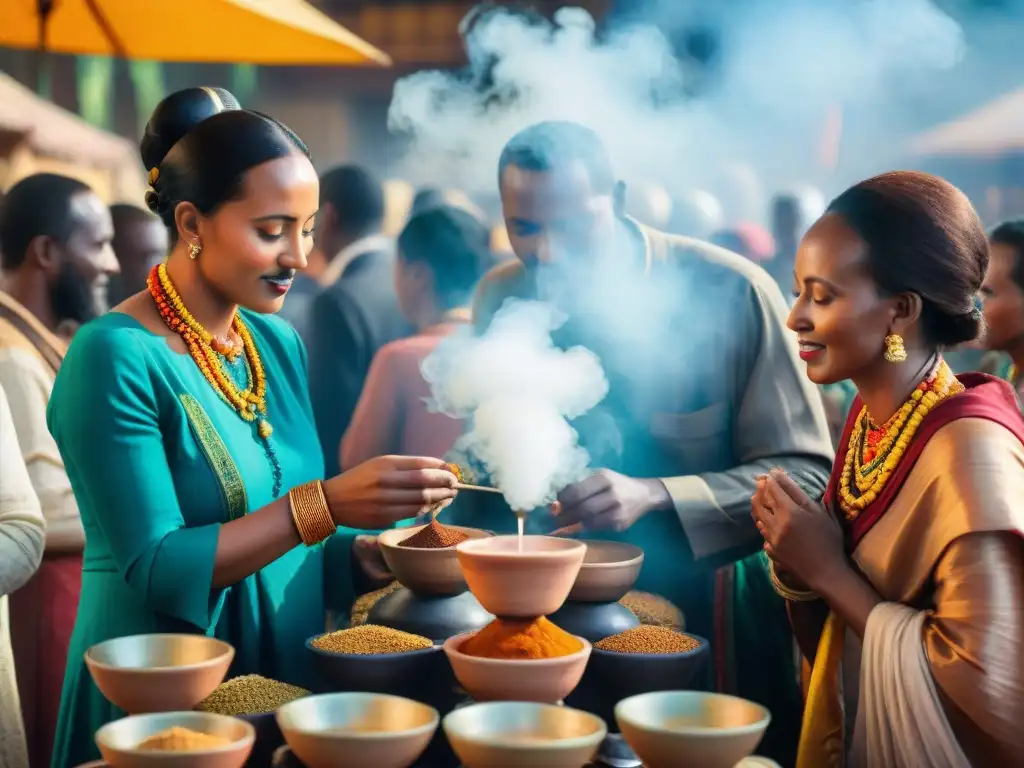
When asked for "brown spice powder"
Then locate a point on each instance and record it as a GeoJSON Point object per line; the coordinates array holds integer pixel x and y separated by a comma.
{"type": "Point", "coordinates": [434, 536]}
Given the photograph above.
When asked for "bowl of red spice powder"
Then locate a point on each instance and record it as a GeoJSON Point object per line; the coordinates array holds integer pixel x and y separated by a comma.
{"type": "Point", "coordinates": [518, 660]}
{"type": "Point", "coordinates": [423, 558]}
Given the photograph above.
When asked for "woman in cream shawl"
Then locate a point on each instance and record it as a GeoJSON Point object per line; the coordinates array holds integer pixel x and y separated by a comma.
{"type": "Point", "coordinates": [22, 535]}
{"type": "Point", "coordinates": [905, 586]}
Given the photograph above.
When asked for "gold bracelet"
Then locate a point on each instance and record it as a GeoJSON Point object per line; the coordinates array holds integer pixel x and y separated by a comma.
{"type": "Point", "coordinates": [793, 595]}
{"type": "Point", "coordinates": [310, 512]}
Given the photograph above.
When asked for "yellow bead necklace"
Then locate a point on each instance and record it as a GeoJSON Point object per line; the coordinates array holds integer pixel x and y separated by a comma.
{"type": "Point", "coordinates": [868, 467]}
{"type": "Point", "coordinates": [250, 403]}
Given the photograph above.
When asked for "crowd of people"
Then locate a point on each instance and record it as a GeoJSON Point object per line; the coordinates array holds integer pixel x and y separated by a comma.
{"type": "Point", "coordinates": [198, 394]}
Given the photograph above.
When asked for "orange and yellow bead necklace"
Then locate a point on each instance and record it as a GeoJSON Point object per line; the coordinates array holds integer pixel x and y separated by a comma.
{"type": "Point", "coordinates": [874, 452]}
{"type": "Point", "coordinates": [209, 354]}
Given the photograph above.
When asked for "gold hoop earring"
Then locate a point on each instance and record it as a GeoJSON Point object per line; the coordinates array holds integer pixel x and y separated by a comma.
{"type": "Point", "coordinates": [194, 249]}
{"type": "Point", "coordinates": [895, 352]}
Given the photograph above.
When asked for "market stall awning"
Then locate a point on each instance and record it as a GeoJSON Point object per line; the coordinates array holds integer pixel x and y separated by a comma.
{"type": "Point", "coordinates": [273, 32]}
{"type": "Point", "coordinates": [993, 130]}
{"type": "Point", "coordinates": [55, 132]}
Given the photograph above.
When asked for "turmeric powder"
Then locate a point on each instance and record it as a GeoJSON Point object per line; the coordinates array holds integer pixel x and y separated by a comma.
{"type": "Point", "coordinates": [182, 740]}
{"type": "Point", "coordinates": [521, 639]}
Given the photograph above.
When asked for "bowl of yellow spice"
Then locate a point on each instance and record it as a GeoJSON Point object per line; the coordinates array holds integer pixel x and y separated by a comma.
{"type": "Point", "coordinates": [176, 740]}
{"type": "Point", "coordinates": [518, 660]}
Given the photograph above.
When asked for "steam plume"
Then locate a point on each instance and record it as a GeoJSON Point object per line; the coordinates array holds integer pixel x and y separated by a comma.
{"type": "Point", "coordinates": [783, 65]}
{"type": "Point", "coordinates": [518, 392]}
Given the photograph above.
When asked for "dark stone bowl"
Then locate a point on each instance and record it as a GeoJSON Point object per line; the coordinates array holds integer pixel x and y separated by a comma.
{"type": "Point", "coordinates": [422, 675]}
{"type": "Point", "coordinates": [594, 621]}
{"type": "Point", "coordinates": [268, 739]}
{"type": "Point", "coordinates": [435, 617]}
{"type": "Point", "coordinates": [612, 676]}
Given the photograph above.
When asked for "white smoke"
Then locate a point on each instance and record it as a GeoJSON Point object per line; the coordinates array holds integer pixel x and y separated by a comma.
{"type": "Point", "coordinates": [518, 393]}
{"type": "Point", "coordinates": [783, 65]}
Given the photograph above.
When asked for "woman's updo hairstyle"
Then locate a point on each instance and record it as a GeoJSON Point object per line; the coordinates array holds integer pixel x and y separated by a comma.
{"type": "Point", "coordinates": [923, 236]}
{"type": "Point", "coordinates": [198, 145]}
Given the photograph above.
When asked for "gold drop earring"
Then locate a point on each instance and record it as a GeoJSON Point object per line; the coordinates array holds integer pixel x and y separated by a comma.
{"type": "Point", "coordinates": [895, 352]}
{"type": "Point", "coordinates": [194, 249]}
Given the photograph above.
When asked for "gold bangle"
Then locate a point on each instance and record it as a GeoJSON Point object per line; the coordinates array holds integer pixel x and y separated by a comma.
{"type": "Point", "coordinates": [310, 512]}
{"type": "Point", "coordinates": [793, 595]}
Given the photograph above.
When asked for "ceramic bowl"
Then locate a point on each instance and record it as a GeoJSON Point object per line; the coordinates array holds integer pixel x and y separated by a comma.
{"type": "Point", "coordinates": [677, 729]}
{"type": "Point", "coordinates": [118, 741]}
{"type": "Point", "coordinates": [514, 583]}
{"type": "Point", "coordinates": [612, 676]}
{"type": "Point", "coordinates": [423, 675]}
{"type": "Point", "coordinates": [158, 673]}
{"type": "Point", "coordinates": [425, 572]}
{"type": "Point", "coordinates": [609, 571]}
{"type": "Point", "coordinates": [547, 681]}
{"type": "Point", "coordinates": [357, 730]}
{"type": "Point", "coordinates": [515, 734]}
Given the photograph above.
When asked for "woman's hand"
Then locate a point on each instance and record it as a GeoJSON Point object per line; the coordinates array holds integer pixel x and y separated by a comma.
{"type": "Point", "coordinates": [367, 554]}
{"type": "Point", "coordinates": [378, 493]}
{"type": "Point", "coordinates": [800, 535]}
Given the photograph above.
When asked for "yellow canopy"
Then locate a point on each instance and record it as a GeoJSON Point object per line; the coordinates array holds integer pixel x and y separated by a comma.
{"type": "Point", "coordinates": [228, 31]}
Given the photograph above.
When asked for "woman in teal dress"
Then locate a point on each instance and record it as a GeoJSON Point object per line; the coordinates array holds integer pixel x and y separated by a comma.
{"type": "Point", "coordinates": [185, 425]}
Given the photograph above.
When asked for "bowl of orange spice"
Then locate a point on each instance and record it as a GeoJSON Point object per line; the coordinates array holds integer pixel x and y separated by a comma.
{"type": "Point", "coordinates": [518, 660]}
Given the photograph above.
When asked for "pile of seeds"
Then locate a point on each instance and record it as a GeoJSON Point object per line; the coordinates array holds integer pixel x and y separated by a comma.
{"type": "Point", "coordinates": [654, 610]}
{"type": "Point", "coordinates": [364, 603]}
{"type": "Point", "coordinates": [369, 639]}
{"type": "Point", "coordinates": [250, 695]}
{"type": "Point", "coordinates": [648, 639]}
{"type": "Point", "coordinates": [434, 536]}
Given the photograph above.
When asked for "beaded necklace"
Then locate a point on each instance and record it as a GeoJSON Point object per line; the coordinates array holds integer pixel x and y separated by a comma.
{"type": "Point", "coordinates": [874, 452]}
{"type": "Point", "coordinates": [248, 400]}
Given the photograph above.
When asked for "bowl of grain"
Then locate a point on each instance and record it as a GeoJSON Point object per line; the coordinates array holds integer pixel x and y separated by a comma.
{"type": "Point", "coordinates": [609, 571]}
{"type": "Point", "coordinates": [176, 740]}
{"type": "Point", "coordinates": [518, 660]}
{"type": "Point", "coordinates": [640, 660]}
{"type": "Point", "coordinates": [521, 576]}
{"type": "Point", "coordinates": [254, 699]}
{"type": "Point", "coordinates": [518, 734]}
{"type": "Point", "coordinates": [376, 659]}
{"type": "Point", "coordinates": [713, 730]}
{"type": "Point", "coordinates": [356, 730]}
{"type": "Point", "coordinates": [423, 557]}
{"type": "Point", "coordinates": [158, 673]}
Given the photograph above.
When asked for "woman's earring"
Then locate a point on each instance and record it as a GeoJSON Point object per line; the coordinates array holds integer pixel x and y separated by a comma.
{"type": "Point", "coordinates": [194, 249]}
{"type": "Point", "coordinates": [895, 352]}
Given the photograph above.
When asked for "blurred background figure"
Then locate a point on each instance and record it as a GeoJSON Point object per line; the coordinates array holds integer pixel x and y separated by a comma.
{"type": "Point", "coordinates": [1003, 302]}
{"type": "Point", "coordinates": [748, 240]}
{"type": "Point", "coordinates": [357, 311]}
{"type": "Point", "coordinates": [649, 204]}
{"type": "Point", "coordinates": [425, 199]}
{"type": "Point", "coordinates": [55, 235]}
{"type": "Point", "coordinates": [140, 241]}
{"type": "Point", "coordinates": [22, 537]}
{"type": "Point", "coordinates": [696, 213]}
{"type": "Point", "coordinates": [442, 254]}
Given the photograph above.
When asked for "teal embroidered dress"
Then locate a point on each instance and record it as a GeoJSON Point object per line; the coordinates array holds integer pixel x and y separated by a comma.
{"type": "Point", "coordinates": [158, 461]}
